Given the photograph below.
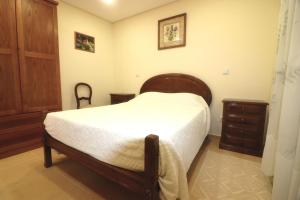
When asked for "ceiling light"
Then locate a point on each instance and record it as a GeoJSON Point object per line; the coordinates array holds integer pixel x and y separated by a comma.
{"type": "Point", "coordinates": [108, 1]}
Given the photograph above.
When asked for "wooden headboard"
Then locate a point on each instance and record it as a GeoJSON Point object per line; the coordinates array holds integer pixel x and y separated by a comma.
{"type": "Point", "coordinates": [175, 82]}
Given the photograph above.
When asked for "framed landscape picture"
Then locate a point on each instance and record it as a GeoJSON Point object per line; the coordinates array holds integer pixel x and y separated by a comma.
{"type": "Point", "coordinates": [172, 32]}
{"type": "Point", "coordinates": [84, 42]}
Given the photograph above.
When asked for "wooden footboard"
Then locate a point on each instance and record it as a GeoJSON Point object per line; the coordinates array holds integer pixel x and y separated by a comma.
{"type": "Point", "coordinates": [143, 183]}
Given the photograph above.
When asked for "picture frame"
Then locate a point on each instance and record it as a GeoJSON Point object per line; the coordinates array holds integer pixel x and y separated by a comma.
{"type": "Point", "coordinates": [172, 32]}
{"type": "Point", "coordinates": [84, 42]}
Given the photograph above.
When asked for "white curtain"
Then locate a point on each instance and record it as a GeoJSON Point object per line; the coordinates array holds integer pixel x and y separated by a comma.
{"type": "Point", "coordinates": [281, 158]}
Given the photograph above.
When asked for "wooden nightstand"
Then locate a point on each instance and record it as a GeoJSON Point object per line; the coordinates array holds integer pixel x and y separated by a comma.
{"type": "Point", "coordinates": [120, 98]}
{"type": "Point", "coordinates": [243, 126]}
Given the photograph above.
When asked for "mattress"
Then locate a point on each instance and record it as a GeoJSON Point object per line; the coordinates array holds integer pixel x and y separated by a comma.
{"type": "Point", "coordinates": [115, 134]}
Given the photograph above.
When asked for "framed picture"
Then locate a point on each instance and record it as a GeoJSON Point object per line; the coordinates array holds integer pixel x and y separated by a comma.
{"type": "Point", "coordinates": [84, 42]}
{"type": "Point", "coordinates": [172, 32]}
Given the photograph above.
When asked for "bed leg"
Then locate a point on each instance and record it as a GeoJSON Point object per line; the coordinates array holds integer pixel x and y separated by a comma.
{"type": "Point", "coordinates": [151, 167]}
{"type": "Point", "coordinates": [47, 152]}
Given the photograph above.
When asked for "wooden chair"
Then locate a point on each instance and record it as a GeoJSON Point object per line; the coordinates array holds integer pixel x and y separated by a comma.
{"type": "Point", "coordinates": [89, 98]}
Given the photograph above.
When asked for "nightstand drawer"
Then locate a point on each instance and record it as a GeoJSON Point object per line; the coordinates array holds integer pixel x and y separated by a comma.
{"type": "Point", "coordinates": [121, 98]}
{"type": "Point", "coordinates": [244, 119]}
{"type": "Point", "coordinates": [244, 108]}
{"type": "Point", "coordinates": [241, 142]}
{"type": "Point", "coordinates": [241, 130]}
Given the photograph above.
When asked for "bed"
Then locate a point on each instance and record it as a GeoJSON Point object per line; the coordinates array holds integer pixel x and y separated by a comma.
{"type": "Point", "coordinates": [140, 177]}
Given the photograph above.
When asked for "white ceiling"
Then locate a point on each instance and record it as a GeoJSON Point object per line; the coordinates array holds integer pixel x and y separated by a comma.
{"type": "Point", "coordinates": [118, 9]}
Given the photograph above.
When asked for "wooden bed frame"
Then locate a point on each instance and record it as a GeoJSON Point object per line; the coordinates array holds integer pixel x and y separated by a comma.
{"type": "Point", "coordinates": [143, 183]}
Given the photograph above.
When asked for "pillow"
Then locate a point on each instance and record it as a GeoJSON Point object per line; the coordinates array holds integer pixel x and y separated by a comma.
{"type": "Point", "coordinates": [171, 98]}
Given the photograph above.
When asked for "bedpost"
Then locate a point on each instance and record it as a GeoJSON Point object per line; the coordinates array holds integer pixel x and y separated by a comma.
{"type": "Point", "coordinates": [151, 167]}
{"type": "Point", "coordinates": [47, 151]}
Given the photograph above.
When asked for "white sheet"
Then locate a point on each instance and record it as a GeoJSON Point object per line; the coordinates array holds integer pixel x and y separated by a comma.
{"type": "Point", "coordinates": [115, 134]}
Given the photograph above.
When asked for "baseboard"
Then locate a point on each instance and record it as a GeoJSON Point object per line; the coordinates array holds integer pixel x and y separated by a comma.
{"type": "Point", "coordinates": [214, 134]}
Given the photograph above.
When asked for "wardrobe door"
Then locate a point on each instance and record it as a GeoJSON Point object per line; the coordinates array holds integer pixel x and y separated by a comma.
{"type": "Point", "coordinates": [9, 69]}
{"type": "Point", "coordinates": [38, 51]}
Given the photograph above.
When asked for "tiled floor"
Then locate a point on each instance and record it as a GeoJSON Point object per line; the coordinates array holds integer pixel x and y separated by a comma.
{"type": "Point", "coordinates": [216, 174]}
{"type": "Point", "coordinates": [226, 175]}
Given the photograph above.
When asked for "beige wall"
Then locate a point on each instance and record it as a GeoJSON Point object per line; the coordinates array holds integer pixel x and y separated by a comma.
{"type": "Point", "coordinates": [97, 68]}
{"type": "Point", "coordinates": [236, 35]}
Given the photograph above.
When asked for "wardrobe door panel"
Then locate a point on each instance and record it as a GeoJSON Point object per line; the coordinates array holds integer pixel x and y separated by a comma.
{"type": "Point", "coordinates": [39, 67]}
{"type": "Point", "coordinates": [43, 82]}
{"type": "Point", "coordinates": [7, 18]}
{"type": "Point", "coordinates": [10, 102]}
{"type": "Point", "coordinates": [38, 26]}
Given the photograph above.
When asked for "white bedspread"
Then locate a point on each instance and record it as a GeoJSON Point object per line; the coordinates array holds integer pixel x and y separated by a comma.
{"type": "Point", "coordinates": [115, 134]}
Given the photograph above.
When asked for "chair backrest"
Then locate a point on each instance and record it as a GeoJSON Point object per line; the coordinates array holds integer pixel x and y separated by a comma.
{"type": "Point", "coordinates": [78, 99]}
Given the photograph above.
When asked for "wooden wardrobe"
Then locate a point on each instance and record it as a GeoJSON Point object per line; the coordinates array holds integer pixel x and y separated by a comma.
{"type": "Point", "coordinates": [29, 72]}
